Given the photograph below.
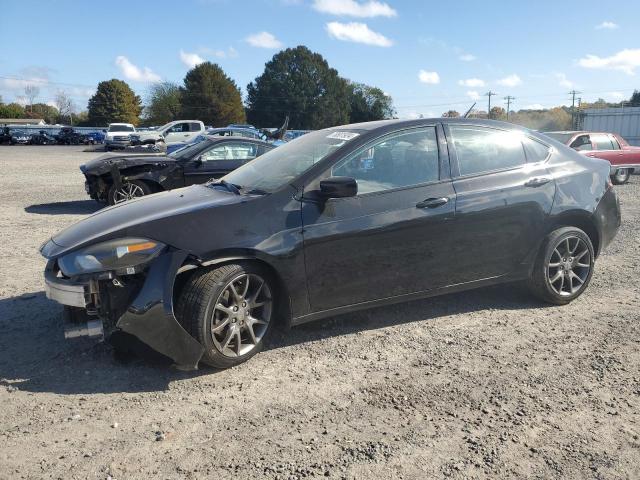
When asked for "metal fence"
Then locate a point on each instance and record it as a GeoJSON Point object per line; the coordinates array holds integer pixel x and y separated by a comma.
{"type": "Point", "coordinates": [625, 121]}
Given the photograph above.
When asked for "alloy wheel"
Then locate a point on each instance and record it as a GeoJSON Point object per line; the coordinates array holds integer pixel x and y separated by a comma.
{"type": "Point", "coordinates": [127, 191]}
{"type": "Point", "coordinates": [569, 266]}
{"type": "Point", "coordinates": [241, 315]}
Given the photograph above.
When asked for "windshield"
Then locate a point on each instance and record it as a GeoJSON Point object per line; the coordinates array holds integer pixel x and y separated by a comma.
{"type": "Point", "coordinates": [560, 137]}
{"type": "Point", "coordinates": [121, 128]}
{"type": "Point", "coordinates": [283, 164]}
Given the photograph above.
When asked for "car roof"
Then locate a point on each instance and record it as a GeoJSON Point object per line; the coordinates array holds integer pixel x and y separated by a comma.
{"type": "Point", "coordinates": [367, 126]}
{"type": "Point", "coordinates": [125, 124]}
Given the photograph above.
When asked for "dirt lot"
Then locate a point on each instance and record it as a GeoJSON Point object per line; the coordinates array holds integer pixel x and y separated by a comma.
{"type": "Point", "coordinates": [486, 384]}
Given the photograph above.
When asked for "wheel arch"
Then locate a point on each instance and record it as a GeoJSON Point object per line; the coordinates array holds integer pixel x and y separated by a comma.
{"type": "Point", "coordinates": [193, 264]}
{"type": "Point", "coordinates": [582, 220]}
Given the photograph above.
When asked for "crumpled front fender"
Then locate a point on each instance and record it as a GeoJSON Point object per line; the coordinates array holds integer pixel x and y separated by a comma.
{"type": "Point", "coordinates": [150, 316]}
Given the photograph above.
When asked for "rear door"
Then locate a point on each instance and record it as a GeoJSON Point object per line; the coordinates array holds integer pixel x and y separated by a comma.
{"type": "Point", "coordinates": [393, 237]}
{"type": "Point", "coordinates": [219, 159]}
{"type": "Point", "coordinates": [504, 195]}
{"type": "Point", "coordinates": [606, 147]}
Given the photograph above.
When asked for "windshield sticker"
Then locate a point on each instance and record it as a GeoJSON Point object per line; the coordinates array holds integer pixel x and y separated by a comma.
{"type": "Point", "coordinates": [343, 135]}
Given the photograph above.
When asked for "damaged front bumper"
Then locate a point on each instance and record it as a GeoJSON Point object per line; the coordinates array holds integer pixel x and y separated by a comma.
{"type": "Point", "coordinates": [140, 305]}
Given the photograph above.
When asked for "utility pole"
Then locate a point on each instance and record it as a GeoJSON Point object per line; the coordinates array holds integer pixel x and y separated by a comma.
{"type": "Point", "coordinates": [509, 99]}
{"type": "Point", "coordinates": [489, 94]}
{"type": "Point", "coordinates": [573, 94]}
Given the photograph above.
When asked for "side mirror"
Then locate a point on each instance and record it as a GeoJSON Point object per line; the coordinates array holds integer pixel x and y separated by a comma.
{"type": "Point", "coordinates": [198, 161]}
{"type": "Point", "coordinates": [338, 187]}
{"type": "Point", "coordinates": [104, 131]}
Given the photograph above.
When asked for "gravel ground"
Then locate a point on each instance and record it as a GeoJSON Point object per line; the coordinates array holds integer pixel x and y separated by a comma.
{"type": "Point", "coordinates": [484, 384]}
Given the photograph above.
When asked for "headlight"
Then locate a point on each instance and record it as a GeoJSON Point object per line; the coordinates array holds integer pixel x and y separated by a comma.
{"type": "Point", "coordinates": [124, 255]}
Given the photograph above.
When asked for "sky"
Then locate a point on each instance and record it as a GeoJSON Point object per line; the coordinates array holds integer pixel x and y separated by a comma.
{"type": "Point", "coordinates": [430, 56]}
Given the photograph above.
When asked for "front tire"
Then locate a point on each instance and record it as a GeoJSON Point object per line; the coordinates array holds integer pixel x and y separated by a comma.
{"type": "Point", "coordinates": [564, 266]}
{"type": "Point", "coordinates": [229, 310]}
{"type": "Point", "coordinates": [621, 176]}
{"type": "Point", "coordinates": [128, 191]}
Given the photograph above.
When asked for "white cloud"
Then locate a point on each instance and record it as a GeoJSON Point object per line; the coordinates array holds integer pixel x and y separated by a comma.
{"type": "Point", "coordinates": [563, 81]}
{"type": "Point", "coordinates": [471, 82]}
{"type": "Point", "coordinates": [607, 26]}
{"type": "Point", "coordinates": [358, 33]}
{"type": "Point", "coordinates": [534, 106]}
{"type": "Point", "coordinates": [473, 95]}
{"type": "Point", "coordinates": [510, 81]}
{"type": "Point", "coordinates": [429, 77]}
{"type": "Point", "coordinates": [263, 40]}
{"type": "Point", "coordinates": [617, 95]}
{"type": "Point", "coordinates": [135, 73]}
{"type": "Point", "coordinates": [626, 61]}
{"type": "Point", "coordinates": [190, 59]}
{"type": "Point", "coordinates": [353, 8]}
{"type": "Point", "coordinates": [467, 57]}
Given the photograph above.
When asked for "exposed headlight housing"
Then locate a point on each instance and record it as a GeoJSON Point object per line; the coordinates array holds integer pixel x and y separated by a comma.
{"type": "Point", "coordinates": [124, 256]}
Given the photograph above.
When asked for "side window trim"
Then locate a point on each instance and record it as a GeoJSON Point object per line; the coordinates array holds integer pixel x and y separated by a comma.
{"type": "Point", "coordinates": [455, 165]}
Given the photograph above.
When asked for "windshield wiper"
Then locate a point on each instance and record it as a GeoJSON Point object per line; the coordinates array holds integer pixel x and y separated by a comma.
{"type": "Point", "coordinates": [233, 188]}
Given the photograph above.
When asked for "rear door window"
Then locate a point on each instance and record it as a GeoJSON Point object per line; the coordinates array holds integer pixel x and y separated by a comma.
{"type": "Point", "coordinates": [602, 142]}
{"type": "Point", "coordinates": [194, 127]}
{"type": "Point", "coordinates": [481, 150]}
{"type": "Point", "coordinates": [536, 151]}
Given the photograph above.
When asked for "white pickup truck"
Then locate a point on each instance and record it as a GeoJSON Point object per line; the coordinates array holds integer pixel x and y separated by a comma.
{"type": "Point", "coordinates": [172, 132]}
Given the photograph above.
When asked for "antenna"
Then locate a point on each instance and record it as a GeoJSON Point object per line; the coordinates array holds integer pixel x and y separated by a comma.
{"type": "Point", "coordinates": [469, 111]}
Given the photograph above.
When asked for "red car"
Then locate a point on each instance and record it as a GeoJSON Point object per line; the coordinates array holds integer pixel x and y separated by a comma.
{"type": "Point", "coordinates": [609, 146]}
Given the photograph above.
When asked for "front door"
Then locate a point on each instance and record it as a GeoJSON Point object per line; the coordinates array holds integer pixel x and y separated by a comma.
{"type": "Point", "coordinates": [393, 237]}
{"type": "Point", "coordinates": [218, 160]}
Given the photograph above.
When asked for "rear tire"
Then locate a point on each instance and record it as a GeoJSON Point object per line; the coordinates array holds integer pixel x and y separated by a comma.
{"type": "Point", "coordinates": [621, 176]}
{"type": "Point", "coordinates": [564, 266]}
{"type": "Point", "coordinates": [232, 327]}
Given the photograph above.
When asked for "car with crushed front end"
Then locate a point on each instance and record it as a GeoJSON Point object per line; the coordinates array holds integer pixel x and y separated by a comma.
{"type": "Point", "coordinates": [117, 178]}
{"type": "Point", "coordinates": [335, 221]}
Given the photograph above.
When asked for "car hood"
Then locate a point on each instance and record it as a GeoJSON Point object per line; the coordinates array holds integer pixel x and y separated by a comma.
{"type": "Point", "coordinates": [103, 164]}
{"type": "Point", "coordinates": [134, 217]}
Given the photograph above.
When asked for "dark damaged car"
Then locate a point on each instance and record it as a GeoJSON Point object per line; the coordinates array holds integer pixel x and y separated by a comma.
{"type": "Point", "coordinates": [117, 178]}
{"type": "Point", "coordinates": [338, 220]}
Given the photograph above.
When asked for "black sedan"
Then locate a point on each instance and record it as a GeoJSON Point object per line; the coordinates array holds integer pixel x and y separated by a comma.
{"type": "Point", "coordinates": [42, 138]}
{"type": "Point", "coordinates": [121, 177]}
{"type": "Point", "coordinates": [338, 220]}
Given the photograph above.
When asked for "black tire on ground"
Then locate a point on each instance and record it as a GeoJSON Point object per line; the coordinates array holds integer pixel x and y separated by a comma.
{"type": "Point", "coordinates": [195, 309]}
{"type": "Point", "coordinates": [553, 251]}
{"type": "Point", "coordinates": [138, 185]}
{"type": "Point", "coordinates": [621, 176]}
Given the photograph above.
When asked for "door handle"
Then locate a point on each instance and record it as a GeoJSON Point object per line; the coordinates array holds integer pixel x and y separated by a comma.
{"type": "Point", "coordinates": [537, 182]}
{"type": "Point", "coordinates": [432, 202]}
